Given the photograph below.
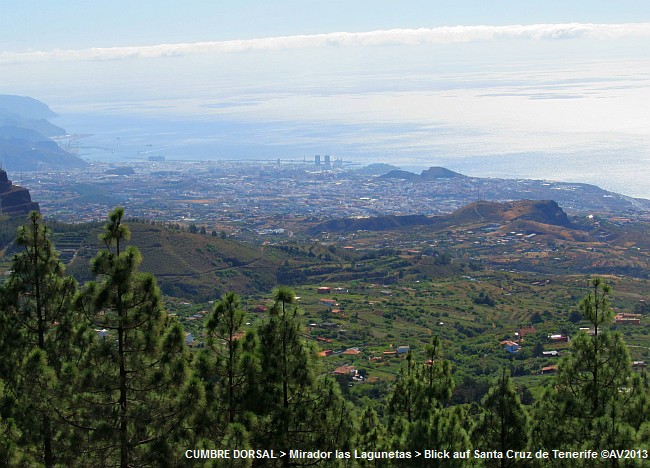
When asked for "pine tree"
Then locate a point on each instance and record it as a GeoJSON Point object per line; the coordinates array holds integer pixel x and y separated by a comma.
{"type": "Point", "coordinates": [38, 329]}
{"type": "Point", "coordinates": [406, 392]}
{"type": "Point", "coordinates": [503, 424]}
{"type": "Point", "coordinates": [224, 369]}
{"type": "Point", "coordinates": [139, 392]}
{"type": "Point", "coordinates": [224, 327]}
{"type": "Point", "coordinates": [444, 429]}
{"type": "Point", "coordinates": [438, 382]}
{"type": "Point", "coordinates": [586, 405]}
{"type": "Point", "coordinates": [636, 404]}
{"type": "Point", "coordinates": [9, 435]}
{"type": "Point", "coordinates": [416, 411]}
{"type": "Point", "coordinates": [294, 407]}
{"type": "Point", "coordinates": [371, 435]}
{"type": "Point", "coordinates": [422, 387]}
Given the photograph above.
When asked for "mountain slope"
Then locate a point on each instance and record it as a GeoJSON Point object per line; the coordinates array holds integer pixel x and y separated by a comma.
{"type": "Point", "coordinates": [186, 265]}
{"type": "Point", "coordinates": [25, 143]}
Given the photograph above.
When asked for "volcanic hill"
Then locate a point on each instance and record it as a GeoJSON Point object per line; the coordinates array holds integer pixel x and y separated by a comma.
{"type": "Point", "coordinates": [540, 212]}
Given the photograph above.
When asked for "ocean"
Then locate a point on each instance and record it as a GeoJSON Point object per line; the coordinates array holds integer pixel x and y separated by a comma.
{"type": "Point", "coordinates": [621, 167]}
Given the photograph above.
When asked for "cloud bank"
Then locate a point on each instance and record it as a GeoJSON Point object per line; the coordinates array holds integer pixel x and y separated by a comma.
{"type": "Point", "coordinates": [407, 37]}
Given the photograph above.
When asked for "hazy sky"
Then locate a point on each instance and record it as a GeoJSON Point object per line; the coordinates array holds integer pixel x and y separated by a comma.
{"type": "Point", "coordinates": [46, 24]}
{"type": "Point", "coordinates": [454, 79]}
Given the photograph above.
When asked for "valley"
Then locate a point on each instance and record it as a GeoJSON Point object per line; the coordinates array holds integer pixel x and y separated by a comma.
{"type": "Point", "coordinates": [486, 275]}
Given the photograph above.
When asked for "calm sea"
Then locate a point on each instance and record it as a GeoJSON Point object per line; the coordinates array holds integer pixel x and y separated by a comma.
{"type": "Point", "coordinates": [619, 168]}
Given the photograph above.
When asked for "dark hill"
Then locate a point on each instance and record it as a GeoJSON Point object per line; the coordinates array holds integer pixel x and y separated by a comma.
{"type": "Point", "coordinates": [399, 174]}
{"type": "Point", "coordinates": [14, 200]}
{"type": "Point", "coordinates": [432, 173]}
{"type": "Point", "coordinates": [545, 212]}
{"type": "Point", "coordinates": [440, 173]}
{"type": "Point", "coordinates": [541, 211]}
{"type": "Point", "coordinates": [376, 169]}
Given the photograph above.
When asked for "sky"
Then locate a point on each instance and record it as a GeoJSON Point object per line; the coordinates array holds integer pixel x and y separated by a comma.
{"type": "Point", "coordinates": [554, 90]}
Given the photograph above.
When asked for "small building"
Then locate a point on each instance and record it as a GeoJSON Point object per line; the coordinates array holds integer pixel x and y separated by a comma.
{"type": "Point", "coordinates": [352, 351]}
{"type": "Point", "coordinates": [510, 346]}
{"type": "Point", "coordinates": [350, 371]}
{"type": "Point", "coordinates": [103, 333]}
{"type": "Point", "coordinates": [551, 353]}
{"type": "Point", "coordinates": [627, 319]}
{"type": "Point", "coordinates": [323, 290]}
{"type": "Point", "coordinates": [558, 338]}
{"type": "Point", "coordinates": [325, 353]}
{"type": "Point", "coordinates": [339, 313]}
{"type": "Point", "coordinates": [345, 370]}
{"type": "Point", "coordinates": [549, 370]}
{"type": "Point", "coordinates": [189, 339]}
{"type": "Point", "coordinates": [402, 350]}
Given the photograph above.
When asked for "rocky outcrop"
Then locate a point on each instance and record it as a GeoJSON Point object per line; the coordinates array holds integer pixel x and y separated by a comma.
{"type": "Point", "coordinates": [14, 200]}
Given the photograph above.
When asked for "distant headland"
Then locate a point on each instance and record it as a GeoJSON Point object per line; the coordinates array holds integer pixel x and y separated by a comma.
{"type": "Point", "coordinates": [26, 137]}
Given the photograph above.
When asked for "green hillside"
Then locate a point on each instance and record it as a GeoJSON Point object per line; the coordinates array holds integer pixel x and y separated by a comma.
{"type": "Point", "coordinates": [192, 266]}
{"type": "Point", "coordinates": [437, 313]}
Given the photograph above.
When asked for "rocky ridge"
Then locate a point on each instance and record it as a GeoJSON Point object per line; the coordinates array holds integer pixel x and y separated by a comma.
{"type": "Point", "coordinates": [14, 200]}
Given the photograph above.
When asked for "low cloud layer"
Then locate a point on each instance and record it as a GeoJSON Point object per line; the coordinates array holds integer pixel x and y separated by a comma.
{"type": "Point", "coordinates": [422, 36]}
